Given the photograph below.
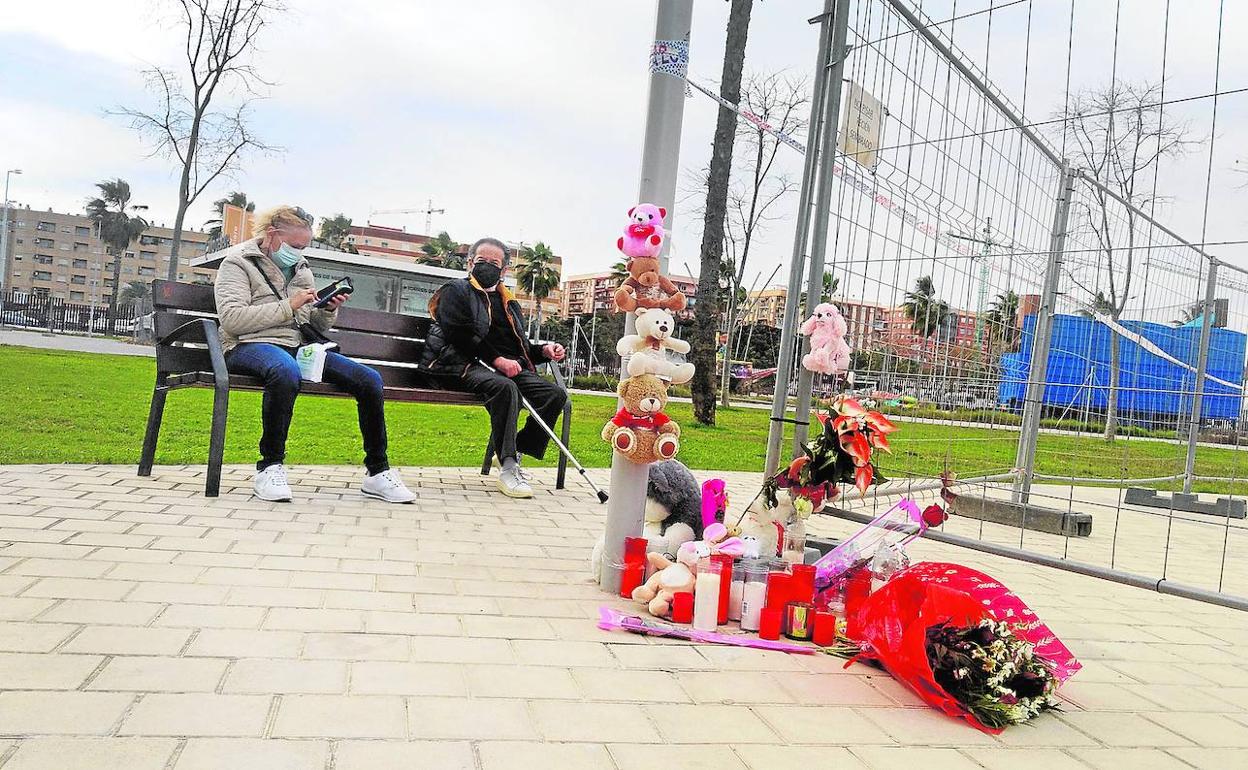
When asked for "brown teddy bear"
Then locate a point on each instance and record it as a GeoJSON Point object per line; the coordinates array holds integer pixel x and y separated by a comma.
{"type": "Point", "coordinates": [646, 287]}
{"type": "Point", "coordinates": [640, 431]}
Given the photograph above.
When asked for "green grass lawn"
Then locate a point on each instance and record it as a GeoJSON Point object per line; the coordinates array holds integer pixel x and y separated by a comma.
{"type": "Point", "coordinates": [62, 407]}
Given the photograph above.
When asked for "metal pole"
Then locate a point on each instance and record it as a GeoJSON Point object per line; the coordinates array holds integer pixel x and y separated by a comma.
{"type": "Point", "coordinates": [788, 329]}
{"type": "Point", "coordinates": [1033, 401]}
{"type": "Point", "coordinates": [823, 206]}
{"type": "Point", "coordinates": [660, 163]}
{"type": "Point", "coordinates": [1202, 364]}
{"type": "Point", "coordinates": [4, 231]}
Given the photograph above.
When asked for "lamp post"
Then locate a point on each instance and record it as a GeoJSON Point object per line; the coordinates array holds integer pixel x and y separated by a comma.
{"type": "Point", "coordinates": [4, 230]}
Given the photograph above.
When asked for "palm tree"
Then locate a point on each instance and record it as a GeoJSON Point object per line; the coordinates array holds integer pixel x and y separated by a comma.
{"type": "Point", "coordinates": [619, 272]}
{"type": "Point", "coordinates": [830, 284]}
{"type": "Point", "coordinates": [441, 251]}
{"type": "Point", "coordinates": [927, 314]}
{"type": "Point", "coordinates": [1002, 319]}
{"type": "Point", "coordinates": [135, 293]}
{"type": "Point", "coordinates": [1100, 305]}
{"type": "Point", "coordinates": [334, 230]}
{"type": "Point", "coordinates": [537, 276]}
{"type": "Point", "coordinates": [116, 228]}
{"type": "Point", "coordinates": [235, 198]}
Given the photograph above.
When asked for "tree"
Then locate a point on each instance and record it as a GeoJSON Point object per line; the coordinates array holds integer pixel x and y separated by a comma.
{"type": "Point", "coordinates": [927, 314]}
{"type": "Point", "coordinates": [830, 284]}
{"type": "Point", "coordinates": [238, 199]}
{"type": "Point", "coordinates": [707, 309]}
{"type": "Point", "coordinates": [135, 293]}
{"type": "Point", "coordinates": [442, 251]}
{"type": "Point", "coordinates": [117, 229]}
{"type": "Point", "coordinates": [220, 36]}
{"type": "Point", "coordinates": [619, 272]}
{"type": "Point", "coordinates": [537, 277]}
{"type": "Point", "coordinates": [1002, 320]}
{"type": "Point", "coordinates": [334, 230]}
{"type": "Point", "coordinates": [1119, 134]}
{"type": "Point", "coordinates": [1190, 314]}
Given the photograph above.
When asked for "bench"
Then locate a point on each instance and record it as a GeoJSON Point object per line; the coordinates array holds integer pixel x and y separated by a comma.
{"type": "Point", "coordinates": [189, 355]}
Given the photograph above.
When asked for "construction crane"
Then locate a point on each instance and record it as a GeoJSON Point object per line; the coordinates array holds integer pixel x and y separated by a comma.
{"type": "Point", "coordinates": [988, 243]}
{"type": "Point", "coordinates": [428, 211]}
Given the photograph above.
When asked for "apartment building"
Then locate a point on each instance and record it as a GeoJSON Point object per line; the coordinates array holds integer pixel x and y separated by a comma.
{"type": "Point", "coordinates": [61, 255]}
{"type": "Point", "coordinates": [594, 292]}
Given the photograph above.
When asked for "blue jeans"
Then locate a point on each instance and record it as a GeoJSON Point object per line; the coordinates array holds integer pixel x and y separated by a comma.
{"type": "Point", "coordinates": [276, 366]}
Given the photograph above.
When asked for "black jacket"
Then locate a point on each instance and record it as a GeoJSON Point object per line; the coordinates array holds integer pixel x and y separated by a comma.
{"type": "Point", "coordinates": [461, 321]}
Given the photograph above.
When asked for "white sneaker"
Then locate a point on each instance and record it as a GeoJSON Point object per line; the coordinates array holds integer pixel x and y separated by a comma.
{"type": "Point", "coordinates": [270, 484]}
{"type": "Point", "coordinates": [387, 486]}
{"type": "Point", "coordinates": [512, 484]}
{"type": "Point", "coordinates": [525, 475]}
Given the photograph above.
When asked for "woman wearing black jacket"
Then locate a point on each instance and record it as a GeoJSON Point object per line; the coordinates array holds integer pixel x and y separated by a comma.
{"type": "Point", "coordinates": [478, 318]}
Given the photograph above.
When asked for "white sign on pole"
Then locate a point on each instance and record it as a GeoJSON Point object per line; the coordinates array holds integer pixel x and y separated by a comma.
{"type": "Point", "coordinates": [861, 126]}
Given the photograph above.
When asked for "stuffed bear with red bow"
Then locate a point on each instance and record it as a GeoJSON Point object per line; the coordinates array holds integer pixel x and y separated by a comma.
{"type": "Point", "coordinates": [640, 431]}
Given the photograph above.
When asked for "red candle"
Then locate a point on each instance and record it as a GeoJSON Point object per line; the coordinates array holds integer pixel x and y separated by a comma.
{"type": "Point", "coordinates": [682, 607]}
{"type": "Point", "coordinates": [857, 589]}
{"type": "Point", "coordinates": [825, 629]}
{"type": "Point", "coordinates": [770, 622]}
{"type": "Point", "coordinates": [633, 575]}
{"type": "Point", "coordinates": [635, 550]}
{"type": "Point", "coordinates": [778, 587]}
{"type": "Point", "coordinates": [802, 587]}
{"type": "Point", "coordinates": [725, 585]}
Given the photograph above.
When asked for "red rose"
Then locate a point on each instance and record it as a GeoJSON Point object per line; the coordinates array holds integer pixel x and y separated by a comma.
{"type": "Point", "coordinates": [934, 515]}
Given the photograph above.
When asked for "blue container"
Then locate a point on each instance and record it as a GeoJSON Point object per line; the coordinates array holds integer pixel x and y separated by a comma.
{"type": "Point", "coordinates": [1150, 388]}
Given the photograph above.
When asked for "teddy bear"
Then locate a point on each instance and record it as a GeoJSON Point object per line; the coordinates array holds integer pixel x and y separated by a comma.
{"type": "Point", "coordinates": [640, 431]}
{"type": "Point", "coordinates": [761, 527]}
{"type": "Point", "coordinates": [829, 353]}
{"type": "Point", "coordinates": [715, 540]}
{"type": "Point", "coordinates": [646, 349]}
{"type": "Point", "coordinates": [642, 243]}
{"type": "Point", "coordinates": [671, 514]}
{"type": "Point", "coordinates": [669, 579]}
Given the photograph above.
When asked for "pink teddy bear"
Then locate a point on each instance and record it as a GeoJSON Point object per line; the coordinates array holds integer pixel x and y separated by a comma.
{"type": "Point", "coordinates": [715, 539]}
{"type": "Point", "coordinates": [829, 353]}
{"type": "Point", "coordinates": [644, 235]}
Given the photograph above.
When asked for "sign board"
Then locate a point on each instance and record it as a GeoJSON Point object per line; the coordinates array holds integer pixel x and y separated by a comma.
{"type": "Point", "coordinates": [861, 126]}
{"type": "Point", "coordinates": [236, 223]}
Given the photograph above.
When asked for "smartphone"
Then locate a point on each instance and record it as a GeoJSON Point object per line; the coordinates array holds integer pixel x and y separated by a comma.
{"type": "Point", "coordinates": [336, 289]}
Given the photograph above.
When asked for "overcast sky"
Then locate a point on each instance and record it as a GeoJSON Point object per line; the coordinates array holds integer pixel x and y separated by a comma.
{"type": "Point", "coordinates": [524, 119]}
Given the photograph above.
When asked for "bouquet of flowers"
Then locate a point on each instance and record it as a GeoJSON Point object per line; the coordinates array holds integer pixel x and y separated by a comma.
{"type": "Point", "coordinates": [964, 643]}
{"type": "Point", "coordinates": [840, 454]}
{"type": "Point", "coordinates": [990, 671]}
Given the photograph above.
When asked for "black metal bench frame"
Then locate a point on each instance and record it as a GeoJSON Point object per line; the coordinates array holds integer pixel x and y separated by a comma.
{"type": "Point", "coordinates": [188, 355]}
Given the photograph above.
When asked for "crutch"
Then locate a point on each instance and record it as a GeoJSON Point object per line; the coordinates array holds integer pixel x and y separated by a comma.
{"type": "Point", "coordinates": [602, 496]}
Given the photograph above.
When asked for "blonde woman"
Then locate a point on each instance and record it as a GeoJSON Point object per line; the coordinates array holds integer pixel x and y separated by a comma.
{"type": "Point", "coordinates": [264, 293]}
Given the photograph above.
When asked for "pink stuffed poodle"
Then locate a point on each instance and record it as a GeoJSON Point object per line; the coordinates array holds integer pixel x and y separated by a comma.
{"type": "Point", "coordinates": [829, 352]}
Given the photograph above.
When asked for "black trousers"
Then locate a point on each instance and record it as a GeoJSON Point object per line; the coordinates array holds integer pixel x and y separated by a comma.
{"type": "Point", "coordinates": [502, 396]}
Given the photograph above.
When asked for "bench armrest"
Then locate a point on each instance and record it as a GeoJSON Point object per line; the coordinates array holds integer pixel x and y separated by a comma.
{"type": "Point", "coordinates": [554, 370]}
{"type": "Point", "coordinates": [220, 375]}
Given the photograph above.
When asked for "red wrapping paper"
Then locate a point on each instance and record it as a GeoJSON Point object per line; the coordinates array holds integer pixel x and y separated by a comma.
{"type": "Point", "coordinates": [892, 624]}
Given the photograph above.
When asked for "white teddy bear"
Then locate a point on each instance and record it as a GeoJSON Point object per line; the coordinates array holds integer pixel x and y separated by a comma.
{"type": "Point", "coordinates": [646, 348]}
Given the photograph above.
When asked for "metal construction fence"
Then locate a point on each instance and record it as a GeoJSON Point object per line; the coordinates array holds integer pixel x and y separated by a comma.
{"type": "Point", "coordinates": [1060, 357]}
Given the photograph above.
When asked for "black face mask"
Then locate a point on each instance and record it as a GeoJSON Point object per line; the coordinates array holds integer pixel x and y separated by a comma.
{"type": "Point", "coordinates": [487, 274]}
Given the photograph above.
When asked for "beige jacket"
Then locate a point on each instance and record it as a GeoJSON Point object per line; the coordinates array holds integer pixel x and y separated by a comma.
{"type": "Point", "coordinates": [249, 311]}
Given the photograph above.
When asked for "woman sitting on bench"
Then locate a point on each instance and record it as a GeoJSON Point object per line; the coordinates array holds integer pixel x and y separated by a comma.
{"type": "Point", "coordinates": [265, 294]}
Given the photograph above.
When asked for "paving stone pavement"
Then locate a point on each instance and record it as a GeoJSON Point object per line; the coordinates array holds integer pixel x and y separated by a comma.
{"type": "Point", "coordinates": [145, 626]}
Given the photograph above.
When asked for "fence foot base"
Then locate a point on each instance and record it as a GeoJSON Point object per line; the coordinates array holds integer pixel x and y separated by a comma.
{"type": "Point", "coordinates": [1032, 517]}
{"type": "Point", "coordinates": [1228, 507]}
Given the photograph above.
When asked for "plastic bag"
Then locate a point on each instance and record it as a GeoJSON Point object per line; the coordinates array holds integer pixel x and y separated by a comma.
{"type": "Point", "coordinates": [892, 625]}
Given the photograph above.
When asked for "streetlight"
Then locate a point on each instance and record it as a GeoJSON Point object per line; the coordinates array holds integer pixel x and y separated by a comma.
{"type": "Point", "coordinates": [4, 230]}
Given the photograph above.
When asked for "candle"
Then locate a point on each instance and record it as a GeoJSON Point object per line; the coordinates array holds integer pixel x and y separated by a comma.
{"type": "Point", "coordinates": [736, 594]}
{"type": "Point", "coordinates": [725, 586]}
{"type": "Point", "coordinates": [798, 620]}
{"type": "Point", "coordinates": [802, 587]}
{"type": "Point", "coordinates": [857, 589]}
{"type": "Point", "coordinates": [682, 607]}
{"type": "Point", "coordinates": [635, 549]}
{"type": "Point", "coordinates": [632, 576]}
{"type": "Point", "coordinates": [777, 589]}
{"type": "Point", "coordinates": [753, 596]}
{"type": "Point", "coordinates": [706, 595]}
{"type": "Point", "coordinates": [769, 624]}
{"type": "Point", "coordinates": [825, 629]}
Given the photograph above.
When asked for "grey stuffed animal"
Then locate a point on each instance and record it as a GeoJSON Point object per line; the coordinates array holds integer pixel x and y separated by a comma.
{"type": "Point", "coordinates": [673, 507]}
